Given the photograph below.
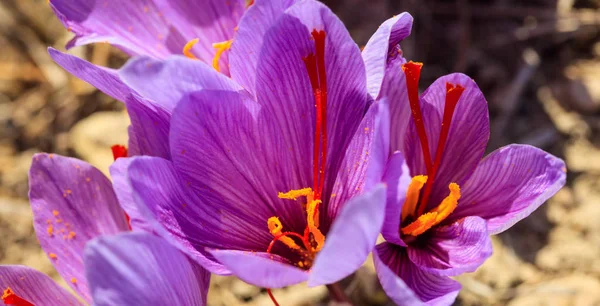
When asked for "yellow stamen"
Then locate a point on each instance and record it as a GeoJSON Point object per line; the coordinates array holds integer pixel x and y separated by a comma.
{"type": "Point", "coordinates": [275, 228]}
{"type": "Point", "coordinates": [295, 193]}
{"type": "Point", "coordinates": [412, 196]}
{"type": "Point", "coordinates": [436, 215]}
{"type": "Point", "coordinates": [188, 47]}
{"type": "Point", "coordinates": [221, 47]}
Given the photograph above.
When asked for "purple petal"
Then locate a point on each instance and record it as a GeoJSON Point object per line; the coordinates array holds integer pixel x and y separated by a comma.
{"type": "Point", "coordinates": [284, 90]}
{"type": "Point", "coordinates": [210, 21]}
{"type": "Point", "coordinates": [453, 249]}
{"type": "Point", "coordinates": [138, 27]}
{"type": "Point", "coordinates": [509, 184]}
{"type": "Point", "coordinates": [365, 160]}
{"type": "Point", "coordinates": [175, 214]}
{"type": "Point", "coordinates": [261, 269]}
{"type": "Point", "coordinates": [376, 53]}
{"type": "Point", "coordinates": [397, 178]}
{"type": "Point", "coordinates": [467, 138]}
{"type": "Point", "coordinates": [72, 203]}
{"type": "Point", "coordinates": [394, 90]}
{"type": "Point", "coordinates": [118, 172]}
{"type": "Point", "coordinates": [248, 41]}
{"type": "Point", "coordinates": [142, 269]}
{"type": "Point", "coordinates": [168, 81]}
{"type": "Point", "coordinates": [149, 132]}
{"type": "Point", "coordinates": [408, 285]}
{"type": "Point", "coordinates": [34, 286]}
{"type": "Point", "coordinates": [352, 237]}
{"type": "Point", "coordinates": [105, 79]}
{"type": "Point", "coordinates": [233, 157]}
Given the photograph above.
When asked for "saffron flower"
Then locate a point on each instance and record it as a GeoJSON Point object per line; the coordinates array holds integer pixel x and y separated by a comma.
{"type": "Point", "coordinates": [277, 179]}
{"type": "Point", "coordinates": [158, 28]}
{"type": "Point", "coordinates": [439, 225]}
{"type": "Point", "coordinates": [126, 269]}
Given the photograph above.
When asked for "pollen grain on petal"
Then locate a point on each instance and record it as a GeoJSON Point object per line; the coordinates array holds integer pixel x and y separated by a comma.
{"type": "Point", "coordinates": [188, 47]}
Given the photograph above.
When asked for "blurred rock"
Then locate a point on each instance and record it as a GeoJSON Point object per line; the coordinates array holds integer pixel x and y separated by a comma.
{"type": "Point", "coordinates": [573, 290]}
{"type": "Point", "coordinates": [582, 156]}
{"type": "Point", "coordinates": [92, 137]}
{"type": "Point", "coordinates": [583, 85]}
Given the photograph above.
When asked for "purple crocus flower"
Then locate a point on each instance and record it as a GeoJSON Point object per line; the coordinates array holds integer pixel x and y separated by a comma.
{"type": "Point", "coordinates": [276, 182]}
{"type": "Point", "coordinates": [158, 28]}
{"type": "Point", "coordinates": [440, 225]}
{"type": "Point", "coordinates": [126, 269]}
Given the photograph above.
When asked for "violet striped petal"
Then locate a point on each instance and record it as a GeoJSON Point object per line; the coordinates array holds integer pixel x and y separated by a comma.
{"type": "Point", "coordinates": [245, 49]}
{"type": "Point", "coordinates": [382, 47]}
{"type": "Point", "coordinates": [406, 284]}
{"type": "Point", "coordinates": [142, 269]}
{"type": "Point", "coordinates": [509, 184]}
{"type": "Point", "coordinates": [397, 178]}
{"type": "Point", "coordinates": [261, 269]}
{"type": "Point", "coordinates": [72, 202]}
{"type": "Point", "coordinates": [138, 27]}
{"type": "Point", "coordinates": [453, 249]}
{"type": "Point", "coordinates": [34, 286]}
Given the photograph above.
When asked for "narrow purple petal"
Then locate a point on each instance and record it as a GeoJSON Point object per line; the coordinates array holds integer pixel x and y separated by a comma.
{"type": "Point", "coordinates": [509, 184]}
{"type": "Point", "coordinates": [34, 286]}
{"type": "Point", "coordinates": [150, 125]}
{"type": "Point", "coordinates": [105, 79]}
{"type": "Point", "coordinates": [72, 203]}
{"type": "Point", "coordinates": [138, 27]}
{"type": "Point", "coordinates": [166, 82]}
{"type": "Point", "coordinates": [394, 90]}
{"type": "Point", "coordinates": [352, 237]}
{"type": "Point", "coordinates": [467, 138]}
{"type": "Point", "coordinates": [408, 285]}
{"type": "Point", "coordinates": [397, 178]}
{"type": "Point", "coordinates": [142, 269]}
{"type": "Point", "coordinates": [365, 160]}
{"type": "Point", "coordinates": [382, 46]}
{"type": "Point", "coordinates": [284, 89]}
{"type": "Point", "coordinates": [248, 41]}
{"type": "Point", "coordinates": [118, 173]}
{"type": "Point", "coordinates": [210, 21]}
{"type": "Point", "coordinates": [453, 249]}
{"type": "Point", "coordinates": [261, 269]}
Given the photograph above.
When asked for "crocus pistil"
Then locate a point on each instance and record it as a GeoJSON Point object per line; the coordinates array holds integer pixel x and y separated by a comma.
{"type": "Point", "coordinates": [11, 298]}
{"type": "Point", "coordinates": [414, 220]}
{"type": "Point", "coordinates": [312, 239]}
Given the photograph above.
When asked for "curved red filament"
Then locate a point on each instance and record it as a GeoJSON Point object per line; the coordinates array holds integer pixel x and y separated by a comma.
{"type": "Point", "coordinates": [286, 234]}
{"type": "Point", "coordinates": [272, 297]}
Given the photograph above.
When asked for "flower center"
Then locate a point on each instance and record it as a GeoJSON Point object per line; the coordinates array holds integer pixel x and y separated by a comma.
{"type": "Point", "coordinates": [11, 298]}
{"type": "Point", "coordinates": [312, 239]}
{"type": "Point", "coordinates": [416, 201]}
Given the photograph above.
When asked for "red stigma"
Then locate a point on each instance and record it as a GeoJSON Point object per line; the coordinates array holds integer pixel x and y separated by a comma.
{"type": "Point", "coordinates": [453, 93]}
{"type": "Point", "coordinates": [10, 298]}
{"type": "Point", "coordinates": [412, 71]}
{"type": "Point", "coordinates": [119, 151]}
{"type": "Point", "coordinates": [272, 297]}
{"type": "Point", "coordinates": [315, 66]}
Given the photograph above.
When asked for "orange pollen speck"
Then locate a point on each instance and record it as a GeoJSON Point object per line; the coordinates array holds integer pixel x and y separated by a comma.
{"type": "Point", "coordinates": [55, 212]}
{"type": "Point", "coordinates": [220, 47]}
{"type": "Point", "coordinates": [71, 235]}
{"type": "Point", "coordinates": [73, 280]}
{"type": "Point", "coordinates": [52, 256]}
{"type": "Point", "coordinates": [188, 47]}
{"type": "Point", "coordinates": [50, 230]}
{"type": "Point", "coordinates": [11, 298]}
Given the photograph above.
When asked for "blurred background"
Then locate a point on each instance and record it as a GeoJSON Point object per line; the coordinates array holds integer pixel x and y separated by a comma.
{"type": "Point", "coordinates": [537, 62]}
